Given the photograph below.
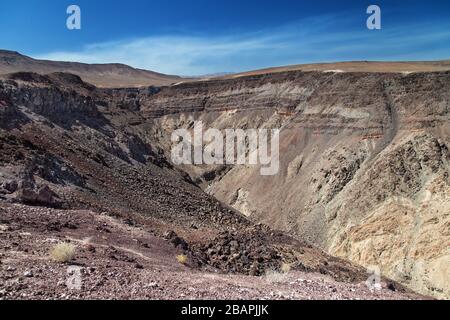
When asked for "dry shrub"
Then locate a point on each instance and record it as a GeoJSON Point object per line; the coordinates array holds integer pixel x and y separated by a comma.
{"type": "Point", "coordinates": [63, 252]}
{"type": "Point", "coordinates": [286, 267]}
{"type": "Point", "coordinates": [274, 276]}
{"type": "Point", "coordinates": [181, 258]}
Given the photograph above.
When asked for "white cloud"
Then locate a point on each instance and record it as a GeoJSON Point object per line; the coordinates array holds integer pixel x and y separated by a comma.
{"type": "Point", "coordinates": [168, 54]}
{"type": "Point", "coordinates": [312, 40]}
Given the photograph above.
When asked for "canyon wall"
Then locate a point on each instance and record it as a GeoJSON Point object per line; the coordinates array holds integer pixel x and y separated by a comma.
{"type": "Point", "coordinates": [364, 162]}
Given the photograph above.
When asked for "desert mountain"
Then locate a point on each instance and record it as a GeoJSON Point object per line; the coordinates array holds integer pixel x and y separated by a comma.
{"type": "Point", "coordinates": [102, 75]}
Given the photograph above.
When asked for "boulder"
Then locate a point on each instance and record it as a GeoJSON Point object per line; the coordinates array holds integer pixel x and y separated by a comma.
{"type": "Point", "coordinates": [176, 241]}
{"type": "Point", "coordinates": [27, 195]}
{"type": "Point", "coordinates": [44, 196]}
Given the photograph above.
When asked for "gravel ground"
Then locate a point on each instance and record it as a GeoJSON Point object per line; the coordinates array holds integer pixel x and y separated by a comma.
{"type": "Point", "coordinates": [117, 261]}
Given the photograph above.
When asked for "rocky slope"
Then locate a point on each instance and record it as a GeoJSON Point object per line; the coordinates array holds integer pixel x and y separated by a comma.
{"type": "Point", "coordinates": [115, 259]}
{"type": "Point", "coordinates": [85, 165]}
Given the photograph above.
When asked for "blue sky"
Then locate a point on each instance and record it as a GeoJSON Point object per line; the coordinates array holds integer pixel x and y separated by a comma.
{"type": "Point", "coordinates": [209, 36]}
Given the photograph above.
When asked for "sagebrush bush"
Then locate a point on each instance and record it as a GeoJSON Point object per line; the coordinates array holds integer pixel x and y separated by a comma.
{"type": "Point", "coordinates": [63, 252]}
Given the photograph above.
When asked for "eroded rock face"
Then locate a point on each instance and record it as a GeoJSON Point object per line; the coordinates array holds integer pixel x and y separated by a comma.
{"type": "Point", "coordinates": [350, 144]}
{"type": "Point", "coordinates": [405, 228]}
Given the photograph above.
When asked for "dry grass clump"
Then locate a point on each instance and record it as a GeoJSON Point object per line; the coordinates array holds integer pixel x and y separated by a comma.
{"type": "Point", "coordinates": [275, 276]}
{"type": "Point", "coordinates": [63, 252]}
{"type": "Point", "coordinates": [286, 267]}
{"type": "Point", "coordinates": [181, 258]}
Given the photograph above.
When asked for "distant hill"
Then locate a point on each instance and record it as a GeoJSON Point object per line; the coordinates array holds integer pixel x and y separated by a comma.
{"type": "Point", "coordinates": [102, 75]}
{"type": "Point", "coordinates": [357, 66]}
{"type": "Point", "coordinates": [116, 75]}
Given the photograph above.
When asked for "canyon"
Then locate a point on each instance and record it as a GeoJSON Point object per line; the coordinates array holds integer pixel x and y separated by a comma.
{"type": "Point", "coordinates": [364, 163]}
{"type": "Point", "coordinates": [363, 180]}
